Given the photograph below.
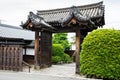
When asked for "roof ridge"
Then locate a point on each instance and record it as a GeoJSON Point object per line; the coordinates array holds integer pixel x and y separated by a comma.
{"type": "Point", "coordinates": [60, 9]}
{"type": "Point", "coordinates": [10, 26]}
{"type": "Point", "coordinates": [93, 4]}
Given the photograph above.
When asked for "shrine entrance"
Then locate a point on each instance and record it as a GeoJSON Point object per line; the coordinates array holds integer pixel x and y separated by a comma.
{"type": "Point", "coordinates": [78, 19]}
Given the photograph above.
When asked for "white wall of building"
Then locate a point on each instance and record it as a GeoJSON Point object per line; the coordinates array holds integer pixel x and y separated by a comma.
{"type": "Point", "coordinates": [29, 51]}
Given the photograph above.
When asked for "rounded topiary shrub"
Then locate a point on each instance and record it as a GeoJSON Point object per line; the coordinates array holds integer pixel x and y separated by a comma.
{"type": "Point", "coordinates": [100, 54]}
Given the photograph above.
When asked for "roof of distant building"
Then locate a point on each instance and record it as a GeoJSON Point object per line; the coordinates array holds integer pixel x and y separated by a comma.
{"type": "Point", "coordinates": [9, 31]}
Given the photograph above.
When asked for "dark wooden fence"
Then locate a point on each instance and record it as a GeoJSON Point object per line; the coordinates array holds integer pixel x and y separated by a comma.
{"type": "Point", "coordinates": [11, 57]}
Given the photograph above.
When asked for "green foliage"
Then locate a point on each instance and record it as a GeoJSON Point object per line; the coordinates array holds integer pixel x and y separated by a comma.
{"type": "Point", "coordinates": [100, 54]}
{"type": "Point", "coordinates": [66, 58]}
{"type": "Point", "coordinates": [61, 38]}
{"type": "Point", "coordinates": [57, 50]}
{"type": "Point", "coordinates": [56, 59]}
{"type": "Point", "coordinates": [58, 54]}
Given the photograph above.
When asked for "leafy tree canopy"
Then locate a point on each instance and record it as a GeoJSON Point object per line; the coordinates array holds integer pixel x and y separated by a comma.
{"type": "Point", "coordinates": [61, 38]}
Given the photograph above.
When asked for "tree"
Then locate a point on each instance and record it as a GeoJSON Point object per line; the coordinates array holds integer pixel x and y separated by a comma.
{"type": "Point", "coordinates": [61, 38]}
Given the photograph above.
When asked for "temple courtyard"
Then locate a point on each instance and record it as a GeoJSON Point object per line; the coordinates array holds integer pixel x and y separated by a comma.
{"type": "Point", "coordinates": [56, 72]}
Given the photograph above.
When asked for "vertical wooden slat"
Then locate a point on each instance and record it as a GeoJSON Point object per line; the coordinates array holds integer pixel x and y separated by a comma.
{"type": "Point", "coordinates": [15, 60]}
{"type": "Point", "coordinates": [20, 58]}
{"type": "Point", "coordinates": [4, 56]}
{"type": "Point", "coordinates": [7, 58]}
{"type": "Point", "coordinates": [18, 63]}
{"type": "Point", "coordinates": [78, 51]}
{"type": "Point", "coordinates": [13, 56]}
{"type": "Point", "coordinates": [0, 57]}
{"type": "Point", "coordinates": [10, 52]}
{"type": "Point", "coordinates": [16, 57]}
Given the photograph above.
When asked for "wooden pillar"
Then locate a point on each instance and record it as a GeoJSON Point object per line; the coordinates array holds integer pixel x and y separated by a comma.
{"type": "Point", "coordinates": [36, 55]}
{"type": "Point", "coordinates": [46, 49]}
{"type": "Point", "coordinates": [77, 51]}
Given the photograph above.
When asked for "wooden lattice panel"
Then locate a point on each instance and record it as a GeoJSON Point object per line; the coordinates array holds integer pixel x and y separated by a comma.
{"type": "Point", "coordinates": [11, 58]}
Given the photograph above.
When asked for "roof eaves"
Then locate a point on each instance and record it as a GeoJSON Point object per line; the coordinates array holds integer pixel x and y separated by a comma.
{"type": "Point", "coordinates": [37, 22]}
{"type": "Point", "coordinates": [41, 12]}
{"type": "Point", "coordinates": [91, 5]}
{"type": "Point", "coordinates": [74, 13]}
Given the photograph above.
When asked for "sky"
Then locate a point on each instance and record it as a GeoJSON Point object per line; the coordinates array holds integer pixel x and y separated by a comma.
{"type": "Point", "coordinates": [12, 12]}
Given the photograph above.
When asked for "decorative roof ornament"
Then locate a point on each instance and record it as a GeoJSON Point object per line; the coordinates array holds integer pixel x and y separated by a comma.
{"type": "Point", "coordinates": [76, 13]}
{"type": "Point", "coordinates": [36, 22]}
{"type": "Point", "coordinates": [35, 19]}
{"type": "Point", "coordinates": [74, 17]}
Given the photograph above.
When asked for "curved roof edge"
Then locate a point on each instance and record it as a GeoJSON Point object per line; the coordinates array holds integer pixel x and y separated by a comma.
{"type": "Point", "coordinates": [82, 6]}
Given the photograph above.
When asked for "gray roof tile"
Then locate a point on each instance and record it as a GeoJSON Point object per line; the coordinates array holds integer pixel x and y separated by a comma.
{"type": "Point", "coordinates": [91, 11]}
{"type": "Point", "coordinates": [15, 32]}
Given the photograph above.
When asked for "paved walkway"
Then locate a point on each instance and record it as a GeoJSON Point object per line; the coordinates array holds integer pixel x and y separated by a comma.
{"type": "Point", "coordinates": [56, 72]}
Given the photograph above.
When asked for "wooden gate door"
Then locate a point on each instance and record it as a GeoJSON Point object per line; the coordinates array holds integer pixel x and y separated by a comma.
{"type": "Point", "coordinates": [11, 57]}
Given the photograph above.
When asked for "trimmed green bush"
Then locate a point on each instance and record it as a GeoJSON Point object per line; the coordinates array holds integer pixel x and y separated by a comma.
{"type": "Point", "coordinates": [66, 58]}
{"type": "Point", "coordinates": [100, 54]}
{"type": "Point", "coordinates": [56, 59]}
{"type": "Point", "coordinates": [57, 50]}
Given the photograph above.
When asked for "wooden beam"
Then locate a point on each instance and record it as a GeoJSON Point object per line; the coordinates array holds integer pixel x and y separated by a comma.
{"type": "Point", "coordinates": [36, 58]}
{"type": "Point", "coordinates": [77, 51]}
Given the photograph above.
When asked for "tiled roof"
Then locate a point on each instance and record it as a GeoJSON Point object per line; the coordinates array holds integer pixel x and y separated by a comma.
{"type": "Point", "coordinates": [91, 11]}
{"type": "Point", "coordinates": [35, 22]}
{"type": "Point", "coordinates": [15, 32]}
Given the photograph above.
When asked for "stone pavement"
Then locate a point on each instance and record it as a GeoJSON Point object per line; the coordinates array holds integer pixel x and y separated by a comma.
{"type": "Point", "coordinates": [56, 72]}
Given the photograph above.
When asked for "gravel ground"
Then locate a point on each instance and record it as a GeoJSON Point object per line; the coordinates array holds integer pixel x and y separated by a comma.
{"type": "Point", "coordinates": [56, 72]}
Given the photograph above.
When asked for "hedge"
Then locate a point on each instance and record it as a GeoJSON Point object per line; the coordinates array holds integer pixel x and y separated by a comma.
{"type": "Point", "coordinates": [57, 50]}
{"type": "Point", "coordinates": [66, 58]}
{"type": "Point", "coordinates": [100, 54]}
{"type": "Point", "coordinates": [58, 54]}
{"type": "Point", "coordinates": [56, 59]}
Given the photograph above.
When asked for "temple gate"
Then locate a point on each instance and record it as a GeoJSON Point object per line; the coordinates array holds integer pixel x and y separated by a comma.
{"type": "Point", "coordinates": [78, 19]}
